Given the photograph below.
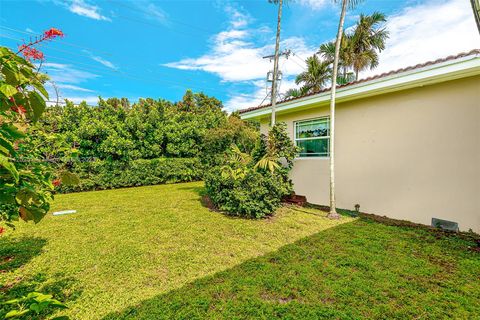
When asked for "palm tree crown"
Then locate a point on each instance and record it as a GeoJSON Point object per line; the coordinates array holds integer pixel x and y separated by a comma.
{"type": "Point", "coordinates": [368, 38]}
{"type": "Point", "coordinates": [359, 50]}
{"type": "Point", "coordinates": [318, 73]}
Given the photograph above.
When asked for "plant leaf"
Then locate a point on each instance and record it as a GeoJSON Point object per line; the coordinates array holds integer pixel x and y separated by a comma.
{"type": "Point", "coordinates": [37, 104]}
{"type": "Point", "coordinates": [15, 313]}
{"type": "Point", "coordinates": [8, 90]}
{"type": "Point", "coordinates": [4, 162]}
{"type": "Point", "coordinates": [69, 179]}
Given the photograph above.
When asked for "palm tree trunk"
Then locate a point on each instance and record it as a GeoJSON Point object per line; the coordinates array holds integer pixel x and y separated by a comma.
{"type": "Point", "coordinates": [333, 212]}
{"type": "Point", "coordinates": [275, 63]}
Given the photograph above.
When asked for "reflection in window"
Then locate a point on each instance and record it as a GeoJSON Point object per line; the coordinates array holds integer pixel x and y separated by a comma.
{"type": "Point", "coordinates": [313, 137]}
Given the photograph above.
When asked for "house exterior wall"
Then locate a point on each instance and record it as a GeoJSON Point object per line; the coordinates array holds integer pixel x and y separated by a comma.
{"type": "Point", "coordinates": [412, 154]}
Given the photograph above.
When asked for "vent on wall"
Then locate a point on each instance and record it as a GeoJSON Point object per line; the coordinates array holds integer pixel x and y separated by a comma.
{"type": "Point", "coordinates": [445, 224]}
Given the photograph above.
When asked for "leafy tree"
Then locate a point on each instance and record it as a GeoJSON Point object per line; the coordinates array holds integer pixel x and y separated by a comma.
{"type": "Point", "coordinates": [296, 92]}
{"type": "Point", "coordinates": [25, 186]}
{"type": "Point", "coordinates": [359, 49]}
{"type": "Point", "coordinates": [327, 51]}
{"type": "Point", "coordinates": [368, 38]}
{"type": "Point", "coordinates": [318, 73]}
{"type": "Point", "coordinates": [216, 141]}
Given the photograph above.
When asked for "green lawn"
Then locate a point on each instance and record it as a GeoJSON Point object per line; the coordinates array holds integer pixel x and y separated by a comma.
{"type": "Point", "coordinates": [157, 253]}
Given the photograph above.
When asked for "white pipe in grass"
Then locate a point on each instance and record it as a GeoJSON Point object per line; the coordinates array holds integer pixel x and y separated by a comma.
{"type": "Point", "coordinates": [59, 213]}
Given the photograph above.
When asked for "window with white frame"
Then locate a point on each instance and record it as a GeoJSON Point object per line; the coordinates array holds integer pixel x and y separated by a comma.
{"type": "Point", "coordinates": [313, 137]}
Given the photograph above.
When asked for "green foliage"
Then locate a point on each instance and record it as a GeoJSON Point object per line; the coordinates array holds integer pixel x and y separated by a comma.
{"type": "Point", "coordinates": [34, 302]}
{"type": "Point", "coordinates": [25, 188]}
{"type": "Point", "coordinates": [253, 185]}
{"type": "Point", "coordinates": [359, 50]}
{"type": "Point", "coordinates": [279, 144]}
{"type": "Point", "coordinates": [116, 130]}
{"type": "Point", "coordinates": [316, 76]}
{"type": "Point", "coordinates": [247, 193]}
{"type": "Point", "coordinates": [104, 174]}
{"type": "Point", "coordinates": [150, 142]}
{"type": "Point", "coordinates": [218, 140]}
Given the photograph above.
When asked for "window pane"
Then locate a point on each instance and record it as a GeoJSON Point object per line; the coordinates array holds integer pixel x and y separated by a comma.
{"type": "Point", "coordinates": [312, 128]}
{"type": "Point", "coordinates": [313, 148]}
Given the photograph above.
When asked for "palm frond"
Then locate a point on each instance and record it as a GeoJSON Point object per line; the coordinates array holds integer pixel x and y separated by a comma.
{"type": "Point", "coordinates": [268, 162]}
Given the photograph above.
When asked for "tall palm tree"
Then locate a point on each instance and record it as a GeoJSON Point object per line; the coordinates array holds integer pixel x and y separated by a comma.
{"type": "Point", "coordinates": [318, 73]}
{"type": "Point", "coordinates": [368, 38]}
{"type": "Point", "coordinates": [345, 4]}
{"type": "Point", "coordinates": [327, 51]}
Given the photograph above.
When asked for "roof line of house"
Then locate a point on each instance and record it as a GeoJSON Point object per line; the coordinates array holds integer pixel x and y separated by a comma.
{"type": "Point", "coordinates": [451, 67]}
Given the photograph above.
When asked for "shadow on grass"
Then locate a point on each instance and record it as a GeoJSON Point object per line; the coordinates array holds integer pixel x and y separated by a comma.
{"type": "Point", "coordinates": [361, 269]}
{"type": "Point", "coordinates": [199, 190]}
{"type": "Point", "coordinates": [16, 253]}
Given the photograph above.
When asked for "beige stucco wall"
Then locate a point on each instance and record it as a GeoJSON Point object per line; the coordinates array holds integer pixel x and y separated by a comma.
{"type": "Point", "coordinates": [411, 155]}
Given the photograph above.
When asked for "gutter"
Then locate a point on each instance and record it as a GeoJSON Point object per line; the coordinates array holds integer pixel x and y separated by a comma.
{"type": "Point", "coordinates": [431, 74]}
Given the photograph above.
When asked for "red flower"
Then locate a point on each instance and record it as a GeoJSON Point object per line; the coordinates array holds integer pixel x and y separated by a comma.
{"type": "Point", "coordinates": [2, 230]}
{"type": "Point", "coordinates": [57, 182]}
{"type": "Point", "coordinates": [20, 109]}
{"type": "Point", "coordinates": [31, 53]}
{"type": "Point", "coordinates": [52, 33]}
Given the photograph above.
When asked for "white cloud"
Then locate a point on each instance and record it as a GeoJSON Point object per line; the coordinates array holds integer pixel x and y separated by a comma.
{"type": "Point", "coordinates": [236, 55]}
{"type": "Point", "coordinates": [65, 73]}
{"type": "Point", "coordinates": [313, 4]}
{"type": "Point", "coordinates": [105, 62]}
{"type": "Point", "coordinates": [238, 19]}
{"type": "Point", "coordinates": [155, 12]}
{"type": "Point", "coordinates": [101, 60]}
{"type": "Point", "coordinates": [73, 87]}
{"type": "Point", "coordinates": [429, 31]}
{"type": "Point", "coordinates": [66, 78]}
{"type": "Point", "coordinates": [85, 9]}
{"type": "Point", "coordinates": [257, 97]}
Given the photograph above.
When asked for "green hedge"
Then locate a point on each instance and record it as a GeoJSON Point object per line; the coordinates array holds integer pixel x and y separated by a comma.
{"type": "Point", "coordinates": [252, 195]}
{"type": "Point", "coordinates": [100, 174]}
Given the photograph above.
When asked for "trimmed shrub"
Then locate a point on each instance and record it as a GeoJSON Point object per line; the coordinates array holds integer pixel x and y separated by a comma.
{"type": "Point", "coordinates": [252, 194]}
{"type": "Point", "coordinates": [103, 174]}
{"type": "Point", "coordinates": [253, 185]}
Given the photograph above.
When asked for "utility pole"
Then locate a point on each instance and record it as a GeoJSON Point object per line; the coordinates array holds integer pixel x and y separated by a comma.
{"type": "Point", "coordinates": [270, 77]}
{"type": "Point", "coordinates": [275, 63]}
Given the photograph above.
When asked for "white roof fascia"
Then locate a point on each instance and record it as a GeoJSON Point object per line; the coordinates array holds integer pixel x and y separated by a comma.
{"type": "Point", "coordinates": [440, 72]}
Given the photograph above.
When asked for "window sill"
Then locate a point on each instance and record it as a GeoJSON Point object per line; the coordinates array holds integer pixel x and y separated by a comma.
{"type": "Point", "coordinates": [312, 158]}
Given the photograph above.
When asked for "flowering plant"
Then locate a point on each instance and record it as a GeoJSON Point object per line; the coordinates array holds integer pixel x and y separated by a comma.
{"type": "Point", "coordinates": [26, 189]}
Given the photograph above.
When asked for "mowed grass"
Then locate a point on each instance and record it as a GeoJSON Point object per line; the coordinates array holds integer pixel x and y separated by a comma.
{"type": "Point", "coordinates": [127, 246]}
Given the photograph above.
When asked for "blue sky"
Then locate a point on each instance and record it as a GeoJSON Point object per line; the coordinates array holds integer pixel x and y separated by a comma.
{"type": "Point", "coordinates": [159, 49]}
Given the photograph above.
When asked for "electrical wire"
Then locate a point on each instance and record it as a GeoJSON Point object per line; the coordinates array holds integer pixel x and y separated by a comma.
{"type": "Point", "coordinates": [58, 40]}
{"type": "Point", "coordinates": [115, 72]}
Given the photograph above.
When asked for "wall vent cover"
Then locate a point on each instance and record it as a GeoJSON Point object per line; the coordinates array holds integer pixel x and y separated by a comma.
{"type": "Point", "coordinates": [444, 224]}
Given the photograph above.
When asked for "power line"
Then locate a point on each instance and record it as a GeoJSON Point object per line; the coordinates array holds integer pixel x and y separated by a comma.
{"type": "Point", "coordinates": [55, 49]}
{"type": "Point", "coordinates": [55, 40]}
{"type": "Point", "coordinates": [115, 72]}
{"type": "Point", "coordinates": [50, 48]}
{"type": "Point", "coordinates": [169, 19]}
{"type": "Point", "coordinates": [298, 64]}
